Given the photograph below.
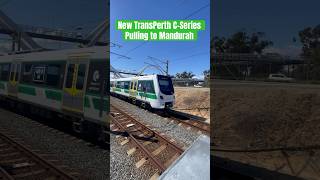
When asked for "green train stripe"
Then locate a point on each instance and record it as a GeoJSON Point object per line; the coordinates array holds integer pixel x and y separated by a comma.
{"type": "Point", "coordinates": [140, 93]}
{"type": "Point", "coordinates": [87, 102]}
{"type": "Point", "coordinates": [148, 95]}
{"type": "Point", "coordinates": [27, 90]}
{"type": "Point", "coordinates": [54, 95]}
{"type": "Point", "coordinates": [97, 102]}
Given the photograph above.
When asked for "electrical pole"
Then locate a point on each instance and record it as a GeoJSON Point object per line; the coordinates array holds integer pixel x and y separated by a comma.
{"type": "Point", "coordinates": [167, 67]}
{"type": "Point", "coordinates": [166, 63]}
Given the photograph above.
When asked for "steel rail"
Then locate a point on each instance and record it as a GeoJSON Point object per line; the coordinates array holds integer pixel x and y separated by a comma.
{"type": "Point", "coordinates": [48, 166]}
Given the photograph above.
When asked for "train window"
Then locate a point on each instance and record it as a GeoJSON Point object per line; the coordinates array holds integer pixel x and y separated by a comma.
{"type": "Point", "coordinates": [126, 84]}
{"type": "Point", "coordinates": [142, 86]}
{"type": "Point", "coordinates": [53, 75]}
{"type": "Point", "coordinates": [81, 76]}
{"type": "Point", "coordinates": [5, 72]}
{"type": "Point", "coordinates": [70, 74]}
{"type": "Point", "coordinates": [26, 74]}
{"type": "Point", "coordinates": [17, 72]}
{"type": "Point", "coordinates": [136, 85]}
{"type": "Point", "coordinates": [12, 72]}
{"type": "Point", "coordinates": [122, 84]}
{"type": "Point", "coordinates": [39, 74]}
{"type": "Point", "coordinates": [149, 86]}
{"type": "Point", "coordinates": [118, 84]}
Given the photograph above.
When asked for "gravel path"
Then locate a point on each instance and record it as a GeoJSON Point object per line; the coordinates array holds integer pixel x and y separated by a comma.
{"type": "Point", "coordinates": [90, 161]}
{"type": "Point", "coordinates": [164, 125]}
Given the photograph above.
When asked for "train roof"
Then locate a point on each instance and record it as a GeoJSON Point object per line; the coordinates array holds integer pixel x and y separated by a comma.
{"type": "Point", "coordinates": [98, 52]}
{"type": "Point", "coordinates": [136, 77]}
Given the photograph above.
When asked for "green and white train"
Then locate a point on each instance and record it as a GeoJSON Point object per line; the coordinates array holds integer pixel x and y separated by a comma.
{"type": "Point", "coordinates": [71, 83]}
{"type": "Point", "coordinates": [151, 91]}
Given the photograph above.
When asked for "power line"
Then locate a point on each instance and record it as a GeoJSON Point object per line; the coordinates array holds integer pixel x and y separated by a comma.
{"type": "Point", "coordinates": [194, 55]}
{"type": "Point", "coordinates": [198, 10]}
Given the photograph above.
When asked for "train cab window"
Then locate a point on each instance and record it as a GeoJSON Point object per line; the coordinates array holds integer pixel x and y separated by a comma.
{"type": "Point", "coordinates": [165, 85]}
{"type": "Point", "coordinates": [5, 72]}
{"type": "Point", "coordinates": [81, 76]}
{"type": "Point", "coordinates": [70, 74]}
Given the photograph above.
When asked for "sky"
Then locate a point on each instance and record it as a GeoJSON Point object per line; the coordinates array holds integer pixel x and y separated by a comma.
{"type": "Point", "coordinates": [281, 20]}
{"type": "Point", "coordinates": [191, 56]}
{"type": "Point", "coordinates": [58, 14]}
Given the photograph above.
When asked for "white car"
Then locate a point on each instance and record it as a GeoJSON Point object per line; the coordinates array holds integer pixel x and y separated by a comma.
{"type": "Point", "coordinates": [279, 77]}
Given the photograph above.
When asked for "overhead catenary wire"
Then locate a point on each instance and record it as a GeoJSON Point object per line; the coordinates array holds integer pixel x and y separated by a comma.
{"type": "Point", "coordinates": [193, 55]}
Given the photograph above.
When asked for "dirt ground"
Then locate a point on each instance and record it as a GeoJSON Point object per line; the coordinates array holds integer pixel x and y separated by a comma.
{"type": "Point", "coordinates": [195, 101]}
{"type": "Point", "coordinates": [262, 117]}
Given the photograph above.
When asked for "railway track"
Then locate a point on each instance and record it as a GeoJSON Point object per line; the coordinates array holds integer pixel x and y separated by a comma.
{"type": "Point", "coordinates": [181, 119]}
{"type": "Point", "coordinates": [19, 162]}
{"type": "Point", "coordinates": [187, 120]}
{"type": "Point", "coordinates": [194, 122]}
{"type": "Point", "coordinates": [153, 146]}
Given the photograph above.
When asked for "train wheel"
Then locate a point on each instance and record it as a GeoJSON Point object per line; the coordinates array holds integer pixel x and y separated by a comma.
{"type": "Point", "coordinates": [143, 105]}
{"type": "Point", "coordinates": [134, 101]}
{"type": "Point", "coordinates": [78, 126]}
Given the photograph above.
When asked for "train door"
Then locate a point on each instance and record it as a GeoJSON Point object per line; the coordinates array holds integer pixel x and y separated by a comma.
{"type": "Point", "coordinates": [133, 88]}
{"type": "Point", "coordinates": [14, 79]}
{"type": "Point", "coordinates": [74, 85]}
{"type": "Point", "coordinates": [142, 90]}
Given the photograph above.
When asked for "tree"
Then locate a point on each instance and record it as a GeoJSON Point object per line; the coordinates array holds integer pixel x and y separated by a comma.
{"type": "Point", "coordinates": [206, 75]}
{"type": "Point", "coordinates": [241, 42]}
{"type": "Point", "coordinates": [310, 39]}
{"type": "Point", "coordinates": [218, 44]}
{"type": "Point", "coordinates": [185, 75]}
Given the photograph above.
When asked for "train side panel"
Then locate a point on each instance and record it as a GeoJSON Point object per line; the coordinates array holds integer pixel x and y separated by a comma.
{"type": "Point", "coordinates": [96, 99]}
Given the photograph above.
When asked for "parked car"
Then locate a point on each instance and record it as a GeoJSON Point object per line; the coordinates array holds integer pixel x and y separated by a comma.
{"type": "Point", "coordinates": [199, 85]}
{"type": "Point", "coordinates": [280, 78]}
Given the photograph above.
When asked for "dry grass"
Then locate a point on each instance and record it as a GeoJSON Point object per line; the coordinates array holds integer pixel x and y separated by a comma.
{"type": "Point", "coordinates": [192, 99]}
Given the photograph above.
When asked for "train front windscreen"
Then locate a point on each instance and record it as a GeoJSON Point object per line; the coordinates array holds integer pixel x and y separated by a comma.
{"type": "Point", "coordinates": [165, 84]}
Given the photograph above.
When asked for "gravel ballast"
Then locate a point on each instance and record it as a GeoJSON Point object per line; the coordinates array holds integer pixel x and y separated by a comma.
{"type": "Point", "coordinates": [122, 165]}
{"type": "Point", "coordinates": [161, 124]}
{"type": "Point", "coordinates": [89, 161]}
